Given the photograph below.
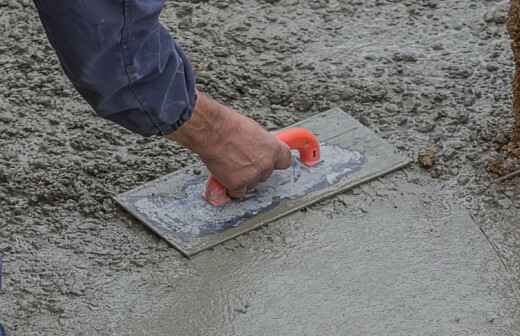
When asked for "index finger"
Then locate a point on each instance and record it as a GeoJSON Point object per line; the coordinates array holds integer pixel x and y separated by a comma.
{"type": "Point", "coordinates": [284, 159]}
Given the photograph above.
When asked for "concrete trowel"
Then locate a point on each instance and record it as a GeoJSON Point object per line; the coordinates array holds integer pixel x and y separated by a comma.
{"type": "Point", "coordinates": [332, 153]}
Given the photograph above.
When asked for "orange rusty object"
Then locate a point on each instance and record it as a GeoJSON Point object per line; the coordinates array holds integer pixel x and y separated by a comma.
{"type": "Point", "coordinates": [299, 139]}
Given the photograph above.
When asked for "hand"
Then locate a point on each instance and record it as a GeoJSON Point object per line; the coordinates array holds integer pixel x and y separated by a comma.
{"type": "Point", "coordinates": [237, 150]}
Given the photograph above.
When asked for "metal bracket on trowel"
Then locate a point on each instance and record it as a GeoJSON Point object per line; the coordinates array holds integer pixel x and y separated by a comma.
{"type": "Point", "coordinates": [346, 155]}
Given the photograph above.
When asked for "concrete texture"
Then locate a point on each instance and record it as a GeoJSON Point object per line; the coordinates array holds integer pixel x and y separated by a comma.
{"type": "Point", "coordinates": [411, 262]}
{"type": "Point", "coordinates": [419, 73]}
{"type": "Point", "coordinates": [172, 206]}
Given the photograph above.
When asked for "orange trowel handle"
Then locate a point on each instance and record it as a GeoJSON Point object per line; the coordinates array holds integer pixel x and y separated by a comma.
{"type": "Point", "coordinates": [296, 138]}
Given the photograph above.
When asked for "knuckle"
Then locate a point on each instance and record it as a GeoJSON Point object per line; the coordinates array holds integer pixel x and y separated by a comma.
{"type": "Point", "coordinates": [237, 183]}
{"type": "Point", "coordinates": [266, 165]}
{"type": "Point", "coordinates": [265, 176]}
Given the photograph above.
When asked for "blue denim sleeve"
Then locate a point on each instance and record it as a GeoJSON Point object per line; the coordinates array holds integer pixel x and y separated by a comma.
{"type": "Point", "coordinates": [122, 61]}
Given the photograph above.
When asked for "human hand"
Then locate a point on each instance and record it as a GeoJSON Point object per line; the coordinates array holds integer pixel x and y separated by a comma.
{"type": "Point", "coordinates": [237, 150]}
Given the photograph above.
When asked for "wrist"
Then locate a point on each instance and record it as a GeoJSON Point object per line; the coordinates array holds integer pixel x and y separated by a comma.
{"type": "Point", "coordinates": [203, 132]}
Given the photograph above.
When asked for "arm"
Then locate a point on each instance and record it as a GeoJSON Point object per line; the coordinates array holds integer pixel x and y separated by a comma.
{"type": "Point", "coordinates": [129, 69]}
{"type": "Point", "coordinates": [236, 149]}
{"type": "Point", "coordinates": [122, 61]}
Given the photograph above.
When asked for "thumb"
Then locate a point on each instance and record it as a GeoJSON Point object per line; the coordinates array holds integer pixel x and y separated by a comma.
{"type": "Point", "coordinates": [284, 158]}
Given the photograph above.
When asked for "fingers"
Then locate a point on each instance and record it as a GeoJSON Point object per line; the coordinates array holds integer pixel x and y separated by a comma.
{"type": "Point", "coordinates": [265, 175]}
{"type": "Point", "coordinates": [284, 159]}
{"type": "Point", "coordinates": [237, 193]}
{"type": "Point", "coordinates": [241, 190]}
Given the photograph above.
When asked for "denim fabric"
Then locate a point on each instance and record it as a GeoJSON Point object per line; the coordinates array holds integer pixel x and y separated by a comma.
{"type": "Point", "coordinates": [122, 61]}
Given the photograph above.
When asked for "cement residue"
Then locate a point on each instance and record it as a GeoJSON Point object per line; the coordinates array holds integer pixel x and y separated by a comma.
{"type": "Point", "coordinates": [189, 216]}
{"type": "Point", "coordinates": [418, 72]}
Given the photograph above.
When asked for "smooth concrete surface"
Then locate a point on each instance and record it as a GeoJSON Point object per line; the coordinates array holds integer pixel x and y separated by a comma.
{"type": "Point", "coordinates": [390, 258]}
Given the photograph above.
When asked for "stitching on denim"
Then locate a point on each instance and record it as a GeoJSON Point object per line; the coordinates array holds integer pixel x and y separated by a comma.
{"type": "Point", "coordinates": [124, 47]}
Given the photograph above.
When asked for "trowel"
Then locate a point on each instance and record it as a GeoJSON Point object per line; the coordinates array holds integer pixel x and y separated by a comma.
{"type": "Point", "coordinates": [332, 152]}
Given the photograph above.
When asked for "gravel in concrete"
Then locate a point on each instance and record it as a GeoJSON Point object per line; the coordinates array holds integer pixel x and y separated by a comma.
{"type": "Point", "coordinates": [420, 73]}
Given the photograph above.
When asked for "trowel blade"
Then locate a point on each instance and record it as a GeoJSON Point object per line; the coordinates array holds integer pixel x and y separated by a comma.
{"type": "Point", "coordinates": [173, 207]}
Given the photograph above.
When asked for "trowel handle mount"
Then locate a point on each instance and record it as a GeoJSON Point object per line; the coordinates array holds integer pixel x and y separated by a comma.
{"type": "Point", "coordinates": [299, 139]}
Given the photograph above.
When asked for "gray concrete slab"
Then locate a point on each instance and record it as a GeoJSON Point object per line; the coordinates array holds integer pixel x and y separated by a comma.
{"type": "Point", "coordinates": [391, 258]}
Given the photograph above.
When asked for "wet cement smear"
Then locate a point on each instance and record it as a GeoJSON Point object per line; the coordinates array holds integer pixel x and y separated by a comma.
{"type": "Point", "coordinates": [189, 216]}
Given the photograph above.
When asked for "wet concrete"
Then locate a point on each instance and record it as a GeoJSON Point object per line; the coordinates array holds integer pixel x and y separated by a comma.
{"type": "Point", "coordinates": [410, 262]}
{"type": "Point", "coordinates": [420, 73]}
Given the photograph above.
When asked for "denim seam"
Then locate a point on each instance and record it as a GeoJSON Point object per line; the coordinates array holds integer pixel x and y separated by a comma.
{"type": "Point", "coordinates": [125, 35]}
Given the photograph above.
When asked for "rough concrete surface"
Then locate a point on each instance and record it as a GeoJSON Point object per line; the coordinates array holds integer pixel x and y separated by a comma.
{"type": "Point", "coordinates": [420, 73]}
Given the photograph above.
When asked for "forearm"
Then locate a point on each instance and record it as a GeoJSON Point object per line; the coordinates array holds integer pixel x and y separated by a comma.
{"type": "Point", "coordinates": [122, 61]}
{"type": "Point", "coordinates": [205, 130]}
{"type": "Point", "coordinates": [126, 65]}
